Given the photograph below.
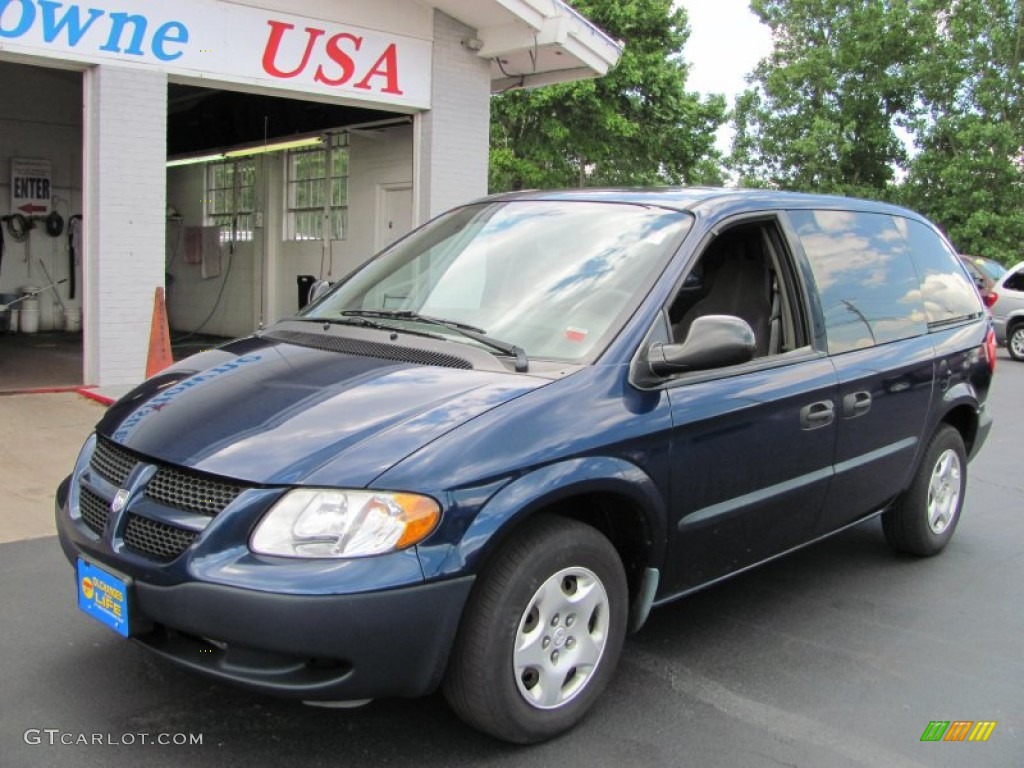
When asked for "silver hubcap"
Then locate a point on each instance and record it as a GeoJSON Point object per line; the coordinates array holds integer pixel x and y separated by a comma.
{"type": "Point", "coordinates": [1017, 342]}
{"type": "Point", "coordinates": [561, 638]}
{"type": "Point", "coordinates": [944, 491]}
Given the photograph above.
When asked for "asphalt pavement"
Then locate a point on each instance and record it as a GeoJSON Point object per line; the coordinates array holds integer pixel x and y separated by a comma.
{"type": "Point", "coordinates": [839, 655]}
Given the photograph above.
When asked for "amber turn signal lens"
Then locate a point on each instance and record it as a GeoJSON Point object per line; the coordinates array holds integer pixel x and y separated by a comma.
{"type": "Point", "coordinates": [421, 517]}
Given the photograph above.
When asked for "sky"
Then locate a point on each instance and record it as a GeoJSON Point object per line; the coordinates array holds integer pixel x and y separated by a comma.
{"type": "Point", "coordinates": [726, 42]}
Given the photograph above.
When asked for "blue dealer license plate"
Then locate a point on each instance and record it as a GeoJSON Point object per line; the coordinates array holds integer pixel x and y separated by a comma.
{"type": "Point", "coordinates": [103, 596]}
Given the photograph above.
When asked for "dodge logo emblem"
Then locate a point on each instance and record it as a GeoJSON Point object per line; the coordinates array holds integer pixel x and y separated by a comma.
{"type": "Point", "coordinates": [120, 499]}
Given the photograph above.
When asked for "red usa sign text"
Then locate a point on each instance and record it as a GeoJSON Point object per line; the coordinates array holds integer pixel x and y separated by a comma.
{"type": "Point", "coordinates": [227, 41]}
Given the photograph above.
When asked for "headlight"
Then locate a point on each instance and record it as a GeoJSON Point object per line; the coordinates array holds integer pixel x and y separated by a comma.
{"type": "Point", "coordinates": [312, 522]}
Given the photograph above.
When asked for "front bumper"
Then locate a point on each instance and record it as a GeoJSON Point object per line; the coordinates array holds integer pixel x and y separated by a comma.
{"type": "Point", "coordinates": [316, 647]}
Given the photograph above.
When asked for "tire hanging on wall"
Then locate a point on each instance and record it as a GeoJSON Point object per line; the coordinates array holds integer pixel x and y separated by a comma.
{"type": "Point", "coordinates": [54, 224]}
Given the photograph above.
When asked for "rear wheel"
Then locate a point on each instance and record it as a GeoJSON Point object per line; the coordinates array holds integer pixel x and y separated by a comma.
{"type": "Point", "coordinates": [923, 520]}
{"type": "Point", "coordinates": [1015, 342]}
{"type": "Point", "coordinates": [542, 632]}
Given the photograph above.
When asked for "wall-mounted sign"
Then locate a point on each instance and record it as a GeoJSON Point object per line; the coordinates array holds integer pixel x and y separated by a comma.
{"type": "Point", "coordinates": [224, 41]}
{"type": "Point", "coordinates": [31, 186]}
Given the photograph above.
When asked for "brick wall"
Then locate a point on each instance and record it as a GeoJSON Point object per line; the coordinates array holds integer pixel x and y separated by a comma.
{"type": "Point", "coordinates": [125, 153]}
{"type": "Point", "coordinates": [454, 134]}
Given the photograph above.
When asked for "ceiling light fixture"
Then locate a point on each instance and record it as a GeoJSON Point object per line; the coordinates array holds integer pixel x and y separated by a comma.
{"type": "Point", "coordinates": [278, 146]}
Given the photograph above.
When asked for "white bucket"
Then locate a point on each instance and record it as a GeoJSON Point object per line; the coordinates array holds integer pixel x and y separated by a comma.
{"type": "Point", "coordinates": [15, 319]}
{"type": "Point", "coordinates": [72, 320]}
{"type": "Point", "coordinates": [29, 320]}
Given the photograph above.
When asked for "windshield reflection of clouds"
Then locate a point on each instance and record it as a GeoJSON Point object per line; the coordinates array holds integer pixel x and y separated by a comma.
{"type": "Point", "coordinates": [550, 277]}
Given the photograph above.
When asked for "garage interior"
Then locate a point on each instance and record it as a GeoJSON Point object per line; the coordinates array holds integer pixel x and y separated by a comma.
{"type": "Point", "coordinates": [249, 197]}
{"type": "Point", "coordinates": [254, 177]}
{"type": "Point", "coordinates": [41, 117]}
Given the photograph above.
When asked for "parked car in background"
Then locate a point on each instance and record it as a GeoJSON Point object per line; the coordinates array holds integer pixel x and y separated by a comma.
{"type": "Point", "coordinates": [1008, 311]}
{"type": "Point", "coordinates": [481, 459]}
{"type": "Point", "coordinates": [985, 273]}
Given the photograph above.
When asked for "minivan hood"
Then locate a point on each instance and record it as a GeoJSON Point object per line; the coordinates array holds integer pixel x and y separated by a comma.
{"type": "Point", "coordinates": [273, 413]}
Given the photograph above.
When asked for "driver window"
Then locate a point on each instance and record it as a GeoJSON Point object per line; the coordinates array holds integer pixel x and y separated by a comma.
{"type": "Point", "coordinates": [744, 272]}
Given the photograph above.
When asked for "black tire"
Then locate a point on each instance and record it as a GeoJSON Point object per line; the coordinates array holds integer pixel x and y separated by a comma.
{"type": "Point", "coordinates": [1015, 341]}
{"type": "Point", "coordinates": [566, 561]}
{"type": "Point", "coordinates": [923, 520]}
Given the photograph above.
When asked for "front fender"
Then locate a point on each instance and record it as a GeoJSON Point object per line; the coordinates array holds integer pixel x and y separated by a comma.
{"type": "Point", "coordinates": [499, 515]}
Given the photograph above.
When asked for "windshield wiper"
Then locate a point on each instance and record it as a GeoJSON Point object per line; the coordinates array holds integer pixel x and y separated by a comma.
{"type": "Point", "coordinates": [408, 314]}
{"type": "Point", "coordinates": [522, 364]}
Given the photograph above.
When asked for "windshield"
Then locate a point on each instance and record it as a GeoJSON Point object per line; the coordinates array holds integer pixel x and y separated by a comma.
{"type": "Point", "coordinates": [555, 279]}
{"type": "Point", "coordinates": [993, 269]}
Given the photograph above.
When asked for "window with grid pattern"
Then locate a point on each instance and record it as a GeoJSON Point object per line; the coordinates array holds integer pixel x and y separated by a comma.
{"type": "Point", "coordinates": [231, 197]}
{"type": "Point", "coordinates": [318, 191]}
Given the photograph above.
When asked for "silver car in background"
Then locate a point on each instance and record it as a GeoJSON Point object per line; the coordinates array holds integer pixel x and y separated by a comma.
{"type": "Point", "coordinates": [1008, 311]}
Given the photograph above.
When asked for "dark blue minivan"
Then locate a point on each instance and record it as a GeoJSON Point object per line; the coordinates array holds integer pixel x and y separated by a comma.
{"type": "Point", "coordinates": [481, 459]}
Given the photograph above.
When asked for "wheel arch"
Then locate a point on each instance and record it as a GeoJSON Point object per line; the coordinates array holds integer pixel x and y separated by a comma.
{"type": "Point", "coordinates": [615, 497]}
{"type": "Point", "coordinates": [1014, 322]}
{"type": "Point", "coordinates": [964, 419]}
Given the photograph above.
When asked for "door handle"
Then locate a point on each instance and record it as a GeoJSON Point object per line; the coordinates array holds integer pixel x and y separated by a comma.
{"type": "Point", "coordinates": [818, 414]}
{"type": "Point", "coordinates": [856, 404]}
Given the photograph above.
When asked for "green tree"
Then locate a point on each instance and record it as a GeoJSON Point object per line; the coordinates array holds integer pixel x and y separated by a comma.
{"type": "Point", "coordinates": [824, 107]}
{"type": "Point", "coordinates": [969, 173]}
{"type": "Point", "coordinates": [635, 126]}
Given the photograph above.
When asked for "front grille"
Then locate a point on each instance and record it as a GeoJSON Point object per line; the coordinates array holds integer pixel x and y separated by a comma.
{"type": "Point", "coordinates": [112, 463]}
{"type": "Point", "coordinates": [191, 491]}
{"type": "Point", "coordinates": [375, 349]}
{"type": "Point", "coordinates": [157, 540]}
{"type": "Point", "coordinates": [93, 508]}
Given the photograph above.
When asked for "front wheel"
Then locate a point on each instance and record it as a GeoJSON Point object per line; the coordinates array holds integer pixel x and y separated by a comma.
{"type": "Point", "coordinates": [1015, 342]}
{"type": "Point", "coordinates": [542, 632]}
{"type": "Point", "coordinates": [923, 520]}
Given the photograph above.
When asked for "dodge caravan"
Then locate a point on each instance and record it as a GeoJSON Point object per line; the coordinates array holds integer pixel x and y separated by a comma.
{"type": "Point", "coordinates": [480, 460]}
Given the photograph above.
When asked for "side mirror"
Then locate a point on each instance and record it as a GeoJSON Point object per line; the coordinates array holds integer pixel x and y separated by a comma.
{"type": "Point", "coordinates": [714, 341]}
{"type": "Point", "coordinates": [318, 289]}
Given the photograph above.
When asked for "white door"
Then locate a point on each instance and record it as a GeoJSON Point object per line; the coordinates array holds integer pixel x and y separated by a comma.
{"type": "Point", "coordinates": [394, 212]}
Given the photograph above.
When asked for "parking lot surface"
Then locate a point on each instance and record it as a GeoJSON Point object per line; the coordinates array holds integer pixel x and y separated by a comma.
{"type": "Point", "coordinates": [838, 655]}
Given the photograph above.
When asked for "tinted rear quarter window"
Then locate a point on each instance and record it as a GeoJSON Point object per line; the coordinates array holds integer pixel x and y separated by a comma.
{"type": "Point", "coordinates": [1015, 282]}
{"type": "Point", "coordinates": [867, 283]}
{"type": "Point", "coordinates": [947, 294]}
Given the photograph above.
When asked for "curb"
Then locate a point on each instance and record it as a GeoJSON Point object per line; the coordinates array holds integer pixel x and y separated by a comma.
{"type": "Point", "coordinates": [92, 394]}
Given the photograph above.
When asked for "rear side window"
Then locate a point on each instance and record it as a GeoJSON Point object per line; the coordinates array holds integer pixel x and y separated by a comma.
{"type": "Point", "coordinates": [866, 280]}
{"type": "Point", "coordinates": [1015, 282]}
{"type": "Point", "coordinates": [948, 296]}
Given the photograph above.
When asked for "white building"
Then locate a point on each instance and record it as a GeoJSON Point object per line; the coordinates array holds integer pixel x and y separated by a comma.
{"type": "Point", "coordinates": [310, 132]}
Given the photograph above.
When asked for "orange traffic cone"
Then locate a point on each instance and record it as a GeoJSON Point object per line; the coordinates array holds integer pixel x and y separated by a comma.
{"type": "Point", "coordinates": [159, 338]}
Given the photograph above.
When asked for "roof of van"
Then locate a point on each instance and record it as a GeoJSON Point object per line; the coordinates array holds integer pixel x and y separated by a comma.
{"type": "Point", "coordinates": [700, 198]}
